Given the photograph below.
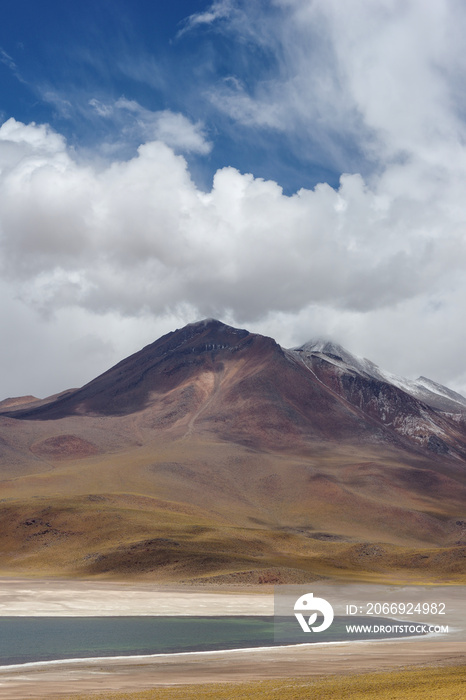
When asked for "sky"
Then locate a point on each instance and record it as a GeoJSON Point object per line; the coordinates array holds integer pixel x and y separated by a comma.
{"type": "Point", "coordinates": [294, 167]}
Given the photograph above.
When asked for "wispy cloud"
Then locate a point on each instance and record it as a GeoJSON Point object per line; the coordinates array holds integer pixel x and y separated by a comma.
{"type": "Point", "coordinates": [363, 84]}
{"type": "Point", "coordinates": [221, 9]}
{"type": "Point", "coordinates": [8, 61]}
{"type": "Point", "coordinates": [137, 122]}
{"type": "Point", "coordinates": [102, 109]}
{"type": "Point", "coordinates": [63, 106]}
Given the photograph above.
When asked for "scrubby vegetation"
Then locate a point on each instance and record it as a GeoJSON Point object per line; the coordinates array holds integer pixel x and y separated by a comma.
{"type": "Point", "coordinates": [447, 683]}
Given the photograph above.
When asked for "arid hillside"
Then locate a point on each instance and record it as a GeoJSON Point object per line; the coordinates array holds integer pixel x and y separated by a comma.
{"type": "Point", "coordinates": [216, 455]}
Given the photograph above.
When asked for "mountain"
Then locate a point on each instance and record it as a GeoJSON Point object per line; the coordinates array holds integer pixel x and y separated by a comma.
{"type": "Point", "coordinates": [433, 394]}
{"type": "Point", "coordinates": [424, 412]}
{"type": "Point", "coordinates": [215, 454]}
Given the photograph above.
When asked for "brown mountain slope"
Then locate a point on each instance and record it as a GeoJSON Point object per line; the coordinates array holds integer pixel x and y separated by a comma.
{"type": "Point", "coordinates": [417, 418]}
{"type": "Point", "coordinates": [215, 453]}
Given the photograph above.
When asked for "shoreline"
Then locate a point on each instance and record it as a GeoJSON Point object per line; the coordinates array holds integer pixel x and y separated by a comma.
{"type": "Point", "coordinates": [205, 652]}
{"type": "Point", "coordinates": [146, 657]}
{"type": "Point", "coordinates": [138, 674]}
{"type": "Point", "coordinates": [54, 679]}
{"type": "Point", "coordinates": [169, 655]}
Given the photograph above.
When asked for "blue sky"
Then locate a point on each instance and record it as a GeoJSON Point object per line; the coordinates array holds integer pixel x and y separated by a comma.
{"type": "Point", "coordinates": [60, 58]}
{"type": "Point", "coordinates": [296, 167]}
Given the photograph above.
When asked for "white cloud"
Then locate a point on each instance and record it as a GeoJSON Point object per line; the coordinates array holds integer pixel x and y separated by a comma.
{"type": "Point", "coordinates": [63, 106]}
{"type": "Point", "coordinates": [139, 237]}
{"type": "Point", "coordinates": [102, 109]}
{"type": "Point", "coordinates": [9, 62]}
{"type": "Point", "coordinates": [220, 9]}
{"type": "Point", "coordinates": [39, 137]}
{"type": "Point", "coordinates": [137, 122]}
{"type": "Point", "coordinates": [381, 80]}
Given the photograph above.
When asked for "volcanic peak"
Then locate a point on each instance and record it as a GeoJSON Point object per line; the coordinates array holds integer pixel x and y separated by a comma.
{"type": "Point", "coordinates": [206, 335]}
{"type": "Point", "coordinates": [160, 367]}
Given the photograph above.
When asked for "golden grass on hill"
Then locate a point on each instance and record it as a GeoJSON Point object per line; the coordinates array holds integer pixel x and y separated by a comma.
{"type": "Point", "coordinates": [132, 536]}
{"type": "Point", "coordinates": [411, 684]}
{"type": "Point", "coordinates": [200, 509]}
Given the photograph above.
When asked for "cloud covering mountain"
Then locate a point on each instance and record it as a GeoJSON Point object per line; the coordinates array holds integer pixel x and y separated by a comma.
{"type": "Point", "coordinates": [90, 240]}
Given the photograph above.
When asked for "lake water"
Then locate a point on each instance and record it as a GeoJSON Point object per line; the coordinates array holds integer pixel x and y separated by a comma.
{"type": "Point", "coordinates": [26, 639]}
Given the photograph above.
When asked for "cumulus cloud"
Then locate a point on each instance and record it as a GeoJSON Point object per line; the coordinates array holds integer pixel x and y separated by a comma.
{"type": "Point", "coordinates": [137, 122]}
{"type": "Point", "coordinates": [138, 237]}
{"type": "Point", "coordinates": [139, 234]}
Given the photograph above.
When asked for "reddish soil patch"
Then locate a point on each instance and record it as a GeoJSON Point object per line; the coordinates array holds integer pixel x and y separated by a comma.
{"type": "Point", "coordinates": [64, 447]}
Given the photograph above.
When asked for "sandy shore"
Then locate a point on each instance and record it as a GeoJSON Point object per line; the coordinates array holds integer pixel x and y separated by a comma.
{"type": "Point", "coordinates": [20, 597]}
{"type": "Point", "coordinates": [53, 680]}
{"type": "Point", "coordinates": [74, 598]}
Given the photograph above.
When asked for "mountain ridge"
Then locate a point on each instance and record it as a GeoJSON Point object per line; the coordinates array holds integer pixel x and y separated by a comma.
{"type": "Point", "coordinates": [426, 415]}
{"type": "Point", "coordinates": [433, 393]}
{"type": "Point", "coordinates": [320, 346]}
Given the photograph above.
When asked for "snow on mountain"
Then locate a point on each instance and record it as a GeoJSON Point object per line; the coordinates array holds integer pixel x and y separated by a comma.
{"type": "Point", "coordinates": [423, 389]}
{"type": "Point", "coordinates": [433, 387]}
